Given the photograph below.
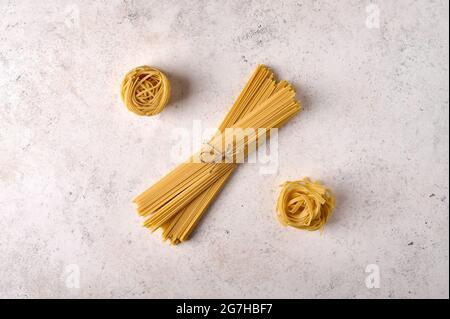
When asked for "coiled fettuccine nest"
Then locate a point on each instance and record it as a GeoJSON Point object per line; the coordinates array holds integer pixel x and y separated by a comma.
{"type": "Point", "coordinates": [305, 205]}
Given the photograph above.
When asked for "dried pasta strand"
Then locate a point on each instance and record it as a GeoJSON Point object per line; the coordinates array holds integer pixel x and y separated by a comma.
{"type": "Point", "coordinates": [267, 115]}
{"type": "Point", "coordinates": [195, 210]}
{"type": "Point", "coordinates": [177, 202]}
{"type": "Point", "coordinates": [262, 76]}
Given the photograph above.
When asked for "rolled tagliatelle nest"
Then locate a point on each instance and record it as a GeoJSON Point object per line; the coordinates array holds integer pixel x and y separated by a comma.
{"type": "Point", "coordinates": [145, 90]}
{"type": "Point", "coordinates": [305, 205]}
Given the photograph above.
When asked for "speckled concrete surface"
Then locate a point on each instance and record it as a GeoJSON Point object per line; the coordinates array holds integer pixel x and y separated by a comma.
{"type": "Point", "coordinates": [373, 79]}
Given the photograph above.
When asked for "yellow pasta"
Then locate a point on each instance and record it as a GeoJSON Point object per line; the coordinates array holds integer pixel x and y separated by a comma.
{"type": "Point", "coordinates": [177, 202]}
{"type": "Point", "coordinates": [145, 90]}
{"type": "Point", "coordinates": [305, 205]}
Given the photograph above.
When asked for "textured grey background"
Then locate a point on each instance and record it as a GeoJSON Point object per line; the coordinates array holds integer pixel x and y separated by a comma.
{"type": "Point", "coordinates": [374, 128]}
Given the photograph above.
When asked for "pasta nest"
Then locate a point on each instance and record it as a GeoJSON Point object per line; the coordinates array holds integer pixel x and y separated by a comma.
{"type": "Point", "coordinates": [145, 91]}
{"type": "Point", "coordinates": [305, 205]}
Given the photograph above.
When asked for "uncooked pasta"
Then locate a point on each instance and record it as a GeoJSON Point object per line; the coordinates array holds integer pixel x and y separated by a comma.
{"type": "Point", "coordinates": [305, 204]}
{"type": "Point", "coordinates": [177, 202]}
{"type": "Point", "coordinates": [145, 90]}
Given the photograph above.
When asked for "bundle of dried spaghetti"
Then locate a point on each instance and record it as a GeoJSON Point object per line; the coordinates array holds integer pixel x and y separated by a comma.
{"type": "Point", "coordinates": [179, 199]}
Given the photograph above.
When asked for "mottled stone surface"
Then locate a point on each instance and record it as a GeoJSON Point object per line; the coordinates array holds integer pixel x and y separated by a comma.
{"type": "Point", "coordinates": [374, 128]}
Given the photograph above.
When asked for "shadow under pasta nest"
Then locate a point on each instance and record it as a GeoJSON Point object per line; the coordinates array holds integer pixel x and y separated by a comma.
{"type": "Point", "coordinates": [336, 218]}
{"type": "Point", "coordinates": [180, 87]}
